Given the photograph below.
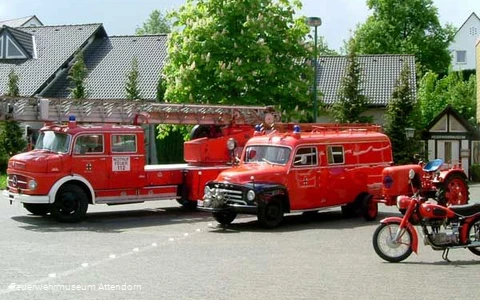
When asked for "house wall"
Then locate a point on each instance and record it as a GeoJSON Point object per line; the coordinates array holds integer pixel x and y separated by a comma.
{"type": "Point", "coordinates": [465, 40]}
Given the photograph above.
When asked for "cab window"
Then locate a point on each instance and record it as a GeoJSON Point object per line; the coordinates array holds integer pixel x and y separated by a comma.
{"type": "Point", "coordinates": [122, 143]}
{"type": "Point", "coordinates": [335, 155]}
{"type": "Point", "coordinates": [306, 156]}
{"type": "Point", "coordinates": [89, 144]}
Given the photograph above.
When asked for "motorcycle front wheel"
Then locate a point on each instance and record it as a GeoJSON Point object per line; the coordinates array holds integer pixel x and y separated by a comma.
{"type": "Point", "coordinates": [385, 245]}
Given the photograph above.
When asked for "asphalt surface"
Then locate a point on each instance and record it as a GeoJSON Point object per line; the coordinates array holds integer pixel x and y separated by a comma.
{"type": "Point", "coordinates": [160, 251]}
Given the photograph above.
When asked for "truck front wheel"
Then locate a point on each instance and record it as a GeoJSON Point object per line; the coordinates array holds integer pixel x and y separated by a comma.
{"type": "Point", "coordinates": [70, 204]}
{"type": "Point", "coordinates": [36, 209]}
{"type": "Point", "coordinates": [270, 215]}
{"type": "Point", "coordinates": [224, 217]}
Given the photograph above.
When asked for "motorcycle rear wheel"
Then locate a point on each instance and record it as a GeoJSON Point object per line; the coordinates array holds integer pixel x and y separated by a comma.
{"type": "Point", "coordinates": [388, 249]}
{"type": "Point", "coordinates": [474, 236]}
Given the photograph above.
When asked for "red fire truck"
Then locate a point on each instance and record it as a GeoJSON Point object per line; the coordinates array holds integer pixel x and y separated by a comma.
{"type": "Point", "coordinates": [309, 168]}
{"type": "Point", "coordinates": [79, 163]}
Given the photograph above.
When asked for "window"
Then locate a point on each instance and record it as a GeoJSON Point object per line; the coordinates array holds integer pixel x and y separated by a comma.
{"type": "Point", "coordinates": [89, 144]}
{"type": "Point", "coordinates": [267, 154]}
{"type": "Point", "coordinates": [461, 57]}
{"type": "Point", "coordinates": [124, 143]}
{"type": "Point", "coordinates": [306, 157]}
{"type": "Point", "coordinates": [13, 50]}
{"type": "Point", "coordinates": [1, 47]}
{"type": "Point", "coordinates": [335, 155]}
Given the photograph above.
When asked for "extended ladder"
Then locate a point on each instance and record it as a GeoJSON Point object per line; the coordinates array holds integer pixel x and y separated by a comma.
{"type": "Point", "coordinates": [123, 111]}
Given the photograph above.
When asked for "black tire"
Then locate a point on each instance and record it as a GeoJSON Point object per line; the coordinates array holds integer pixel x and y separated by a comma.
{"type": "Point", "coordinates": [224, 217]}
{"type": "Point", "coordinates": [453, 191]}
{"type": "Point", "coordinates": [349, 210]}
{"type": "Point", "coordinates": [474, 236]}
{"type": "Point", "coordinates": [70, 204]}
{"type": "Point", "coordinates": [187, 204]}
{"type": "Point", "coordinates": [37, 209]}
{"type": "Point", "coordinates": [369, 208]}
{"type": "Point", "coordinates": [270, 215]}
{"type": "Point", "coordinates": [382, 242]}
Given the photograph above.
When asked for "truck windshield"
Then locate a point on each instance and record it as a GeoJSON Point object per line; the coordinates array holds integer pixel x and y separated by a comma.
{"type": "Point", "coordinates": [53, 141]}
{"type": "Point", "coordinates": [268, 154]}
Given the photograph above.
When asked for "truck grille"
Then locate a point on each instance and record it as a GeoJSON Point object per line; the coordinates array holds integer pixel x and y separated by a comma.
{"type": "Point", "coordinates": [17, 181]}
{"type": "Point", "coordinates": [232, 196]}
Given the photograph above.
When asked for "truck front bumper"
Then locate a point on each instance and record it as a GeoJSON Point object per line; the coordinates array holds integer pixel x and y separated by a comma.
{"type": "Point", "coordinates": [22, 198]}
{"type": "Point", "coordinates": [244, 209]}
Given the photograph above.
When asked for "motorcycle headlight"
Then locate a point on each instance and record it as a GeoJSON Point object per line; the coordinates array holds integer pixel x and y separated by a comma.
{"type": "Point", "coordinates": [251, 195]}
{"type": "Point", "coordinates": [207, 192]}
{"type": "Point", "coordinates": [32, 185]}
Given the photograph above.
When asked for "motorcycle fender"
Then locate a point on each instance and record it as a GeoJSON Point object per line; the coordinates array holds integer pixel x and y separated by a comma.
{"type": "Point", "coordinates": [409, 227]}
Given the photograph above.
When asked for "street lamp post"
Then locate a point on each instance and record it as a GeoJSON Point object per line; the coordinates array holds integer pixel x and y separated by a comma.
{"type": "Point", "coordinates": [314, 22]}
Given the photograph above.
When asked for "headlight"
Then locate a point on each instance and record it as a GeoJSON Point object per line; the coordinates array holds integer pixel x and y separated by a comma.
{"type": "Point", "coordinates": [251, 195]}
{"type": "Point", "coordinates": [231, 144]}
{"type": "Point", "coordinates": [207, 192]}
{"type": "Point", "coordinates": [32, 184]}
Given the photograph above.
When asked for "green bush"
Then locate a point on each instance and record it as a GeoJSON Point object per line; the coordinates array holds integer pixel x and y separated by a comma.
{"type": "Point", "coordinates": [475, 173]}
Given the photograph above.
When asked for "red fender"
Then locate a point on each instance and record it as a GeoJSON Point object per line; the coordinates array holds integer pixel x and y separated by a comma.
{"type": "Point", "coordinates": [410, 227]}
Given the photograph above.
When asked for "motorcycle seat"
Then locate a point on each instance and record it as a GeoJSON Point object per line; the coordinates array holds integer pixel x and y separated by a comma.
{"type": "Point", "coordinates": [466, 209]}
{"type": "Point", "coordinates": [433, 165]}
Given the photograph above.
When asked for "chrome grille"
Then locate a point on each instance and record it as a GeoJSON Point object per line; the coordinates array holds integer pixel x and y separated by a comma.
{"type": "Point", "coordinates": [17, 181]}
{"type": "Point", "coordinates": [232, 196]}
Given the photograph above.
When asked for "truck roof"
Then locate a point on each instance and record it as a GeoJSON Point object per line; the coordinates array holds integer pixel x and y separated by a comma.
{"type": "Point", "coordinates": [324, 137]}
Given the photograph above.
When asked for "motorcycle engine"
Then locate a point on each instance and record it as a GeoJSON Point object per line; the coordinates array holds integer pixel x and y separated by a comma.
{"type": "Point", "coordinates": [448, 236]}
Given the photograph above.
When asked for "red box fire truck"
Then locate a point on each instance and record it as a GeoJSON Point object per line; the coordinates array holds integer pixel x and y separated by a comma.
{"type": "Point", "coordinates": [310, 168]}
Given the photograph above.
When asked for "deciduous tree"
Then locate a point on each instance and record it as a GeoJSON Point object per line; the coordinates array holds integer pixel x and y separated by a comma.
{"type": "Point", "coordinates": [157, 22]}
{"type": "Point", "coordinates": [250, 52]}
{"type": "Point", "coordinates": [406, 27]}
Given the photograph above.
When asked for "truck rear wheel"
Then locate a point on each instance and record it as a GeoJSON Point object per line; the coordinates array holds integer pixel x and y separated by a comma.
{"type": "Point", "coordinates": [36, 209]}
{"type": "Point", "coordinates": [70, 204]}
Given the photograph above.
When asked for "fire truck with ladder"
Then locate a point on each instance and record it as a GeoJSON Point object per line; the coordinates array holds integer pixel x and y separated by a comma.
{"type": "Point", "coordinates": [98, 156]}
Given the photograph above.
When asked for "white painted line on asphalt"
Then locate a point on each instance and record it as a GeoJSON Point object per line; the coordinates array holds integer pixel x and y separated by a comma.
{"type": "Point", "coordinates": [54, 276]}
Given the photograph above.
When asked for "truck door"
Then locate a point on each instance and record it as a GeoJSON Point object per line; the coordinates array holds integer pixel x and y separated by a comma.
{"type": "Point", "coordinates": [334, 178]}
{"type": "Point", "coordinates": [305, 191]}
{"type": "Point", "coordinates": [89, 159]}
{"type": "Point", "coordinates": [126, 163]}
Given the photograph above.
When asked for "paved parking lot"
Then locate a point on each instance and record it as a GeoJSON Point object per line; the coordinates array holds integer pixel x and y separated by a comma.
{"type": "Point", "coordinates": [159, 251]}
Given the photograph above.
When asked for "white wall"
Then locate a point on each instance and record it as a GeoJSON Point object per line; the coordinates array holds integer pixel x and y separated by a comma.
{"type": "Point", "coordinates": [465, 40]}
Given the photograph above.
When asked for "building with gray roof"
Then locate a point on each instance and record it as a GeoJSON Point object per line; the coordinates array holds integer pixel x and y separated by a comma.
{"type": "Point", "coordinates": [42, 55]}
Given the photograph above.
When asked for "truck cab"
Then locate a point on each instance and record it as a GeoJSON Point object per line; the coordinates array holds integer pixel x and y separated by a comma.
{"type": "Point", "coordinates": [299, 171]}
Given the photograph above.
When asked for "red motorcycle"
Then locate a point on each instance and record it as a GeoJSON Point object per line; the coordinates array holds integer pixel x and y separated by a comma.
{"type": "Point", "coordinates": [443, 227]}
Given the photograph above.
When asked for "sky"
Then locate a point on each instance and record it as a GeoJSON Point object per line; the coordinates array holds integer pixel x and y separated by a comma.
{"type": "Point", "coordinates": [122, 17]}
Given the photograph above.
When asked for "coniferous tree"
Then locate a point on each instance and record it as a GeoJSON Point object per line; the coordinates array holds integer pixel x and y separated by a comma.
{"type": "Point", "coordinates": [11, 135]}
{"type": "Point", "coordinates": [401, 114]}
{"type": "Point", "coordinates": [351, 103]}
{"type": "Point", "coordinates": [131, 87]}
{"type": "Point", "coordinates": [76, 76]}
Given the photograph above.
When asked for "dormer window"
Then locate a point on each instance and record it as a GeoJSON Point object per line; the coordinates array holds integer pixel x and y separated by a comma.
{"type": "Point", "coordinates": [12, 50]}
{"type": "Point", "coordinates": [16, 44]}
